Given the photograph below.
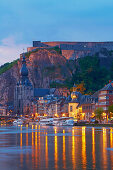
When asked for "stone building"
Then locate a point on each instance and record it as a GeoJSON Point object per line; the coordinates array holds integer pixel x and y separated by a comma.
{"type": "Point", "coordinates": [26, 96]}
{"type": "Point", "coordinates": [74, 50]}
{"type": "Point", "coordinates": [23, 94]}
{"type": "Point", "coordinates": [105, 97]}
{"type": "Point", "coordinates": [81, 106]}
{"type": "Point", "coordinates": [74, 103]}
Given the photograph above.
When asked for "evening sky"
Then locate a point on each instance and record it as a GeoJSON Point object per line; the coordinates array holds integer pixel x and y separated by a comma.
{"type": "Point", "coordinates": [22, 21]}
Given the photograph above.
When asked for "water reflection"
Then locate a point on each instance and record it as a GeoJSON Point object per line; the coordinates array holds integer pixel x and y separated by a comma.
{"type": "Point", "coordinates": [21, 155]}
{"type": "Point", "coordinates": [46, 150]}
{"type": "Point", "coordinates": [111, 145]}
{"type": "Point", "coordinates": [83, 147]}
{"type": "Point", "coordinates": [73, 150]}
{"type": "Point", "coordinates": [36, 148]}
{"type": "Point", "coordinates": [57, 148]}
{"type": "Point", "coordinates": [104, 148]}
{"type": "Point", "coordinates": [32, 146]}
{"type": "Point", "coordinates": [64, 150]}
{"type": "Point", "coordinates": [93, 148]}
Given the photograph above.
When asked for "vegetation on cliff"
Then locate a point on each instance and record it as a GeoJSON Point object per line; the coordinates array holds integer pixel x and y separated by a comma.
{"type": "Point", "coordinates": [89, 72]}
{"type": "Point", "coordinates": [57, 49]}
{"type": "Point", "coordinates": [7, 66]}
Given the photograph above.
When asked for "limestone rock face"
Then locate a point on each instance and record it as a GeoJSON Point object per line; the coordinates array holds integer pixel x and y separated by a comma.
{"type": "Point", "coordinates": [44, 66]}
{"type": "Point", "coordinates": [7, 83]}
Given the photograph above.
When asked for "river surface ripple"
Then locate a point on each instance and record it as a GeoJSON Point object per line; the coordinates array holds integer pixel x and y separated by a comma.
{"type": "Point", "coordinates": [55, 148]}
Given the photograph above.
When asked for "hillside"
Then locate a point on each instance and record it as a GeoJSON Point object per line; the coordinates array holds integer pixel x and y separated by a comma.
{"type": "Point", "coordinates": [45, 66]}
{"type": "Point", "coordinates": [48, 68]}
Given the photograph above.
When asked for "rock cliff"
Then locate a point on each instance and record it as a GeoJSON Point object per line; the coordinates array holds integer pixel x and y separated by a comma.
{"type": "Point", "coordinates": [45, 66]}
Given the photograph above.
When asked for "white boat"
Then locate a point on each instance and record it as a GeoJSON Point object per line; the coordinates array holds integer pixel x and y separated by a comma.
{"type": "Point", "coordinates": [64, 121]}
{"type": "Point", "coordinates": [18, 122]}
{"type": "Point", "coordinates": [47, 121]}
{"type": "Point", "coordinates": [68, 123]}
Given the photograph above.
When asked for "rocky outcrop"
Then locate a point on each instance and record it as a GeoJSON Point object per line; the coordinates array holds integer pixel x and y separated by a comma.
{"type": "Point", "coordinates": [7, 83]}
{"type": "Point", "coordinates": [45, 66]}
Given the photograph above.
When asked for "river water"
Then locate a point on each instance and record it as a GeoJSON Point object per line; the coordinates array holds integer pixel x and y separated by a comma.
{"type": "Point", "coordinates": [47, 147]}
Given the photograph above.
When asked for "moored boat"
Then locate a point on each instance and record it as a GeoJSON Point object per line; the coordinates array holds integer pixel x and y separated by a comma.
{"type": "Point", "coordinates": [18, 122]}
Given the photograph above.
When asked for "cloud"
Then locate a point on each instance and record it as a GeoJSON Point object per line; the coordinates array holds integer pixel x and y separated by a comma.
{"type": "Point", "coordinates": [10, 50]}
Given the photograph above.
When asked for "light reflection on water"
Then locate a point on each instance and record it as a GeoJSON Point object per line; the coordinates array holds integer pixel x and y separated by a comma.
{"type": "Point", "coordinates": [42, 147]}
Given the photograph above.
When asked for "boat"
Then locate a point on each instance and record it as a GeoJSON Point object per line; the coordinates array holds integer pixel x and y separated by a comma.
{"type": "Point", "coordinates": [64, 121]}
{"type": "Point", "coordinates": [18, 122]}
{"type": "Point", "coordinates": [47, 121]}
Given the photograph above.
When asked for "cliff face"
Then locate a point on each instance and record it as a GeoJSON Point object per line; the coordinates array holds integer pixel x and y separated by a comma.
{"type": "Point", "coordinates": [7, 83]}
{"type": "Point", "coordinates": [44, 67]}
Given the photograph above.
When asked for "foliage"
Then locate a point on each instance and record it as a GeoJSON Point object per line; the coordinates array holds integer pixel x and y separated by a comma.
{"type": "Point", "coordinates": [110, 108]}
{"type": "Point", "coordinates": [57, 49]}
{"type": "Point", "coordinates": [89, 71]}
{"type": "Point", "coordinates": [98, 113]}
{"type": "Point", "coordinates": [81, 87]}
{"type": "Point", "coordinates": [7, 66]}
{"type": "Point", "coordinates": [56, 85]}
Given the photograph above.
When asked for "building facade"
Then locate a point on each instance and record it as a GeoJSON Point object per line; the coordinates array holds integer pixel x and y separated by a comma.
{"type": "Point", "coordinates": [23, 94]}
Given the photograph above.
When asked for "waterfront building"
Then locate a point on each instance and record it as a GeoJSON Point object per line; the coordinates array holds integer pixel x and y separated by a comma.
{"type": "Point", "coordinates": [87, 107]}
{"type": "Point", "coordinates": [50, 105]}
{"type": "Point", "coordinates": [105, 97]}
{"type": "Point", "coordinates": [73, 108]}
{"type": "Point", "coordinates": [81, 107]}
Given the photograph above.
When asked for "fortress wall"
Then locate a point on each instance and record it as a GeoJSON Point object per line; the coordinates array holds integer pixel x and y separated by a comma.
{"type": "Point", "coordinates": [67, 53]}
{"type": "Point", "coordinates": [31, 48]}
{"type": "Point", "coordinates": [74, 49]}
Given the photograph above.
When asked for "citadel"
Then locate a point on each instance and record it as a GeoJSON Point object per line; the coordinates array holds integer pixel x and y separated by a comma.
{"type": "Point", "coordinates": [73, 50]}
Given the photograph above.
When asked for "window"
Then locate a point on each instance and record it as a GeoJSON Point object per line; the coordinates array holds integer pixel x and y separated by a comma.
{"type": "Point", "coordinates": [104, 103]}
{"type": "Point", "coordinates": [103, 97]}
{"type": "Point", "coordinates": [71, 108]}
{"type": "Point", "coordinates": [103, 92]}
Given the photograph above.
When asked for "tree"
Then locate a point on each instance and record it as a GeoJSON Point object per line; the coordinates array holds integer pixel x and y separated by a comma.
{"type": "Point", "coordinates": [98, 113]}
{"type": "Point", "coordinates": [110, 110]}
{"type": "Point", "coordinates": [81, 87]}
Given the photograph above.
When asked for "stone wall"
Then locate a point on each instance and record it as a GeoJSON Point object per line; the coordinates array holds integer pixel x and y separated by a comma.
{"type": "Point", "coordinates": [74, 49]}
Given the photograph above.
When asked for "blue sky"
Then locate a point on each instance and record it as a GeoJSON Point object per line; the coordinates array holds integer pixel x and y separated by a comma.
{"type": "Point", "coordinates": [22, 21]}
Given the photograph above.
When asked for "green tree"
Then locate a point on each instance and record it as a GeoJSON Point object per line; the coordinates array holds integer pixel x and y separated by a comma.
{"type": "Point", "coordinates": [98, 113]}
{"type": "Point", "coordinates": [93, 75]}
{"type": "Point", "coordinates": [110, 110]}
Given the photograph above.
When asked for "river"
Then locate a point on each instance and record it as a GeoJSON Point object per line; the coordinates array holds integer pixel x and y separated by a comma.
{"type": "Point", "coordinates": [55, 148]}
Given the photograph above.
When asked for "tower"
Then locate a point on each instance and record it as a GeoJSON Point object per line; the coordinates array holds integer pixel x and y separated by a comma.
{"type": "Point", "coordinates": [23, 93]}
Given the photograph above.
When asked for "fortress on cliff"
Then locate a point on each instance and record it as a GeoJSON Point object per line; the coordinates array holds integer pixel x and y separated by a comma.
{"type": "Point", "coordinates": [73, 50]}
